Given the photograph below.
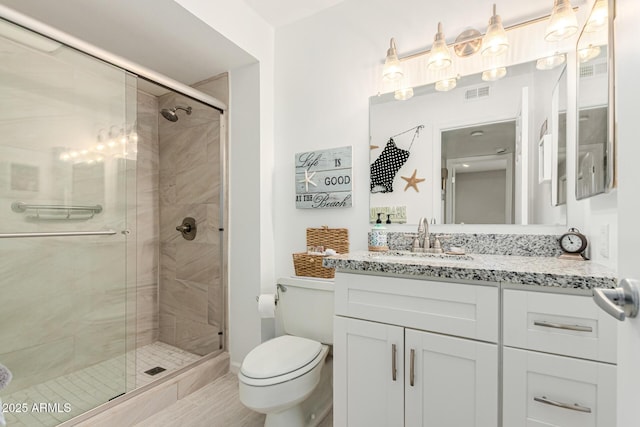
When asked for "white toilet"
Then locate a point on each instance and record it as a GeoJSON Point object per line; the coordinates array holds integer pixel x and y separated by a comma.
{"type": "Point", "coordinates": [288, 378]}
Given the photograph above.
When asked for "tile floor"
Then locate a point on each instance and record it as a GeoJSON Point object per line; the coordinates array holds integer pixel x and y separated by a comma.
{"type": "Point", "coordinates": [92, 386]}
{"type": "Point", "coordinates": [215, 405]}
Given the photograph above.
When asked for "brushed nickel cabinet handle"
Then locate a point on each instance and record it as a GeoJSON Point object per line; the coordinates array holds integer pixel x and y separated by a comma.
{"type": "Point", "coordinates": [412, 363]}
{"type": "Point", "coordinates": [394, 371]}
{"type": "Point", "coordinates": [574, 407]}
{"type": "Point", "coordinates": [578, 328]}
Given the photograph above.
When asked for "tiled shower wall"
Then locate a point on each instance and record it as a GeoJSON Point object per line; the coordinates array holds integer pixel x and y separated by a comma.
{"type": "Point", "coordinates": [180, 291]}
{"type": "Point", "coordinates": [191, 288]}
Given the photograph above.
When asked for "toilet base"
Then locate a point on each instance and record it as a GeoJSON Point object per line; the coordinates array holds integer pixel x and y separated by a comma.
{"type": "Point", "coordinates": [293, 416]}
{"type": "Point", "coordinates": [311, 411]}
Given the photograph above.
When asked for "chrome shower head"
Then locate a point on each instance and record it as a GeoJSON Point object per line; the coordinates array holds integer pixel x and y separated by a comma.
{"type": "Point", "coordinates": [170, 114]}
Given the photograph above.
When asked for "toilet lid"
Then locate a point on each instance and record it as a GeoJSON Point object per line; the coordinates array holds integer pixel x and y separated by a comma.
{"type": "Point", "coordinates": [280, 356]}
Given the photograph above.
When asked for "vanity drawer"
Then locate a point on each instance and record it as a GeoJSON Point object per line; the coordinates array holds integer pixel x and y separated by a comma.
{"type": "Point", "coordinates": [571, 325]}
{"type": "Point", "coordinates": [548, 390]}
{"type": "Point", "coordinates": [463, 310]}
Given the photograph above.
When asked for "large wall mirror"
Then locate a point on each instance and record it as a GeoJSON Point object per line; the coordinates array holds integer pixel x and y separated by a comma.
{"type": "Point", "coordinates": [482, 153]}
{"type": "Point", "coordinates": [595, 148]}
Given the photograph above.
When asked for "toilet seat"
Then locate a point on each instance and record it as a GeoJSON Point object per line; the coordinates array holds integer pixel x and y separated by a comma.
{"type": "Point", "coordinates": [281, 359]}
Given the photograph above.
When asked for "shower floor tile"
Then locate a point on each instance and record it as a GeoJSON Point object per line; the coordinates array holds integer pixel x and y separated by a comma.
{"type": "Point", "coordinates": [90, 387]}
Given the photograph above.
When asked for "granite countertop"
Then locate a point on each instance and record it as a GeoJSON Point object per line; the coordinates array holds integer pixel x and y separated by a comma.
{"type": "Point", "coordinates": [525, 270]}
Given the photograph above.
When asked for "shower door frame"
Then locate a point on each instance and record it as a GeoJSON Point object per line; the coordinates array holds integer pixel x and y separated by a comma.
{"type": "Point", "coordinates": [139, 71]}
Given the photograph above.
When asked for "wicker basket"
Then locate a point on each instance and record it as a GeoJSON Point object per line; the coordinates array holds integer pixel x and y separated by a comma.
{"type": "Point", "coordinates": [311, 265]}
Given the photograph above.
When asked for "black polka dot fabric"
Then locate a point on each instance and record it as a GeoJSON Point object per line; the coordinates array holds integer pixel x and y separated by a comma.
{"type": "Point", "coordinates": [386, 166]}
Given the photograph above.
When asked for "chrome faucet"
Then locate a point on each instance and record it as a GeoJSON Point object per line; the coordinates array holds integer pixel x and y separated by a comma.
{"type": "Point", "coordinates": [423, 233]}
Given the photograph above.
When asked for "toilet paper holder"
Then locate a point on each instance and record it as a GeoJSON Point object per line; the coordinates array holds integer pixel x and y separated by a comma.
{"type": "Point", "coordinates": [279, 287]}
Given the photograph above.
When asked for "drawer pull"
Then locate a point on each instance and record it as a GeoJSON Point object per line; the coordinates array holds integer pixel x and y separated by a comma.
{"type": "Point", "coordinates": [574, 407]}
{"type": "Point", "coordinates": [412, 367]}
{"type": "Point", "coordinates": [563, 326]}
{"type": "Point", "coordinates": [394, 371]}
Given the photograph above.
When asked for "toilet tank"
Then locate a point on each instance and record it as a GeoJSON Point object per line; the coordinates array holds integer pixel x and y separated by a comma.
{"type": "Point", "coordinates": [306, 307]}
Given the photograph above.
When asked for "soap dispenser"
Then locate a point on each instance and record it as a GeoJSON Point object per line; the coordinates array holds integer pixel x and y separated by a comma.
{"type": "Point", "coordinates": [378, 239]}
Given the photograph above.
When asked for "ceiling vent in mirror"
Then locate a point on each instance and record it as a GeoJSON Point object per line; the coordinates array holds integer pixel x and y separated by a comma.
{"type": "Point", "coordinates": [591, 70]}
{"type": "Point", "coordinates": [476, 93]}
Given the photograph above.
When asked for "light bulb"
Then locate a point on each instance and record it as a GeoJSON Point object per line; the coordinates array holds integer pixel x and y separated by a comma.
{"type": "Point", "coordinates": [73, 154]}
{"type": "Point", "coordinates": [392, 69]}
{"type": "Point", "coordinates": [598, 18]}
{"type": "Point", "coordinates": [550, 62]}
{"type": "Point", "coordinates": [495, 41]}
{"type": "Point", "coordinates": [439, 58]}
{"type": "Point", "coordinates": [100, 147]}
{"type": "Point", "coordinates": [586, 54]}
{"type": "Point", "coordinates": [494, 74]}
{"type": "Point", "coordinates": [563, 22]}
{"type": "Point", "coordinates": [403, 94]}
{"type": "Point", "coordinates": [446, 84]}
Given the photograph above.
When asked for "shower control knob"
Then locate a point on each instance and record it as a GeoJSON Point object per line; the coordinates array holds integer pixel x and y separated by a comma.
{"type": "Point", "coordinates": [188, 228]}
{"type": "Point", "coordinates": [184, 228]}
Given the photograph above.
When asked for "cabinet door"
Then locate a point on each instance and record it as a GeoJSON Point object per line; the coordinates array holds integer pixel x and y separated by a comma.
{"type": "Point", "coordinates": [542, 390]}
{"type": "Point", "coordinates": [366, 391]}
{"type": "Point", "coordinates": [455, 381]}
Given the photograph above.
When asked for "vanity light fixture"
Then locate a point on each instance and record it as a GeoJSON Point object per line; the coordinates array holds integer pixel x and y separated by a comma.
{"type": "Point", "coordinates": [446, 84]}
{"type": "Point", "coordinates": [551, 62]}
{"type": "Point", "coordinates": [495, 41]}
{"type": "Point", "coordinates": [598, 18]}
{"type": "Point", "coordinates": [586, 54]}
{"type": "Point", "coordinates": [392, 69]}
{"type": "Point", "coordinates": [563, 22]}
{"type": "Point", "coordinates": [403, 94]}
{"type": "Point", "coordinates": [494, 74]}
{"type": "Point", "coordinates": [440, 58]}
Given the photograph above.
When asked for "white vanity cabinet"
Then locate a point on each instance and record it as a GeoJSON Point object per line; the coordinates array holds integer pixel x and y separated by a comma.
{"type": "Point", "coordinates": [411, 352]}
{"type": "Point", "coordinates": [558, 361]}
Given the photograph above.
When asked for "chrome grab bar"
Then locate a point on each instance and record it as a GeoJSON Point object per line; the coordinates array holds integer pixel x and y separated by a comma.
{"type": "Point", "coordinates": [22, 207]}
{"type": "Point", "coordinates": [58, 234]}
{"type": "Point", "coordinates": [578, 328]}
{"type": "Point", "coordinates": [574, 407]}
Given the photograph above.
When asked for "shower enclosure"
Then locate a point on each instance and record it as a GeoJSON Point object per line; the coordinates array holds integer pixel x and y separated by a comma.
{"type": "Point", "coordinates": [100, 294]}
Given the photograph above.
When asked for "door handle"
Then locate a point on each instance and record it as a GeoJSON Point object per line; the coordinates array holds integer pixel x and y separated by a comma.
{"type": "Point", "coordinates": [574, 407]}
{"type": "Point", "coordinates": [394, 370]}
{"type": "Point", "coordinates": [412, 363]}
{"type": "Point", "coordinates": [620, 302]}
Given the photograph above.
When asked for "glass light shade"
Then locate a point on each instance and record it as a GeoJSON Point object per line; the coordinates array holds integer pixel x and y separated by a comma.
{"type": "Point", "coordinates": [392, 69]}
{"type": "Point", "coordinates": [563, 22]}
{"type": "Point", "coordinates": [586, 54]}
{"type": "Point", "coordinates": [494, 74]}
{"type": "Point", "coordinates": [446, 84]}
{"type": "Point", "coordinates": [439, 58]}
{"type": "Point", "coordinates": [598, 18]}
{"type": "Point", "coordinates": [495, 41]}
{"type": "Point", "coordinates": [550, 62]}
{"type": "Point", "coordinates": [403, 94]}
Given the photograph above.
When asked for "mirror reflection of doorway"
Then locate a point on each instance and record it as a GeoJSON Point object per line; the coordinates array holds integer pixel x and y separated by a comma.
{"type": "Point", "coordinates": [478, 174]}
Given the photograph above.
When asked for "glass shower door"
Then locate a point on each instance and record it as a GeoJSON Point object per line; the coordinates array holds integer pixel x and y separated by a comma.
{"type": "Point", "coordinates": [67, 175]}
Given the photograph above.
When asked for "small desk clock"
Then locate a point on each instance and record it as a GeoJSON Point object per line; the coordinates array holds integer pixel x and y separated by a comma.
{"type": "Point", "coordinates": [573, 245]}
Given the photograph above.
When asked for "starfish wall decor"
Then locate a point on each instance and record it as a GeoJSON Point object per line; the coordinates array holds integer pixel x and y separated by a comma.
{"type": "Point", "coordinates": [412, 181]}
